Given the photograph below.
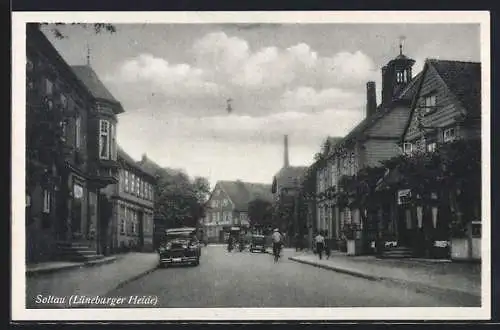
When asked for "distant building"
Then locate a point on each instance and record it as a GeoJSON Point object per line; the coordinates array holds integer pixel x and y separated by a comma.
{"type": "Point", "coordinates": [227, 207]}
{"type": "Point", "coordinates": [132, 222]}
{"type": "Point", "coordinates": [285, 188]}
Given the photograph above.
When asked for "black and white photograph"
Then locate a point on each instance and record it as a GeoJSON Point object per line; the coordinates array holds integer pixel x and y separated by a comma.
{"type": "Point", "coordinates": [251, 165]}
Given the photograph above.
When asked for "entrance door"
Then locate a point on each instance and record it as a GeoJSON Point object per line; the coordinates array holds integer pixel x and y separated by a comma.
{"type": "Point", "coordinates": [404, 226]}
{"type": "Point", "coordinates": [76, 216]}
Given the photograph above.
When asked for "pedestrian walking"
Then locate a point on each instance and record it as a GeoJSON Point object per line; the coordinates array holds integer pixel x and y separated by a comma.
{"type": "Point", "coordinates": [319, 241]}
{"type": "Point", "coordinates": [327, 245]}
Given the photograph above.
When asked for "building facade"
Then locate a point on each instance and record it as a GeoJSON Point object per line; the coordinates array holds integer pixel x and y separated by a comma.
{"type": "Point", "coordinates": [446, 109]}
{"type": "Point", "coordinates": [132, 220]}
{"type": "Point", "coordinates": [227, 207]}
{"type": "Point", "coordinates": [64, 173]}
{"type": "Point", "coordinates": [375, 139]}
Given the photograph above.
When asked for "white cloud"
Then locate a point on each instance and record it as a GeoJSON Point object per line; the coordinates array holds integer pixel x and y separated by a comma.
{"type": "Point", "coordinates": [170, 79]}
{"type": "Point", "coordinates": [308, 99]}
{"type": "Point", "coordinates": [271, 67]}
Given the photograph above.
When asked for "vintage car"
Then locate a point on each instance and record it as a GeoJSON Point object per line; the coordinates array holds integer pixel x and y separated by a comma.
{"type": "Point", "coordinates": [180, 246]}
{"type": "Point", "coordinates": [258, 243]}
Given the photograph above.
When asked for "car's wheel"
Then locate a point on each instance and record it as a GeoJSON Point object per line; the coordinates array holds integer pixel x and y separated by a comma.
{"type": "Point", "coordinates": [197, 262]}
{"type": "Point", "coordinates": [161, 265]}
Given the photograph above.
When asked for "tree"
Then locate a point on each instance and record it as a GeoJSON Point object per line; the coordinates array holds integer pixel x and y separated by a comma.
{"type": "Point", "coordinates": [178, 199]}
{"type": "Point", "coordinates": [97, 27]}
{"type": "Point", "coordinates": [260, 212]}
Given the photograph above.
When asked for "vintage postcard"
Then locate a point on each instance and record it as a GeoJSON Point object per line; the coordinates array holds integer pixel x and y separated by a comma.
{"type": "Point", "coordinates": [251, 166]}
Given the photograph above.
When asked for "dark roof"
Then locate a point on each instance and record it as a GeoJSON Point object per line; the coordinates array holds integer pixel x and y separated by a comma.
{"type": "Point", "coordinates": [122, 155]}
{"type": "Point", "coordinates": [241, 193]}
{"type": "Point", "coordinates": [406, 94]}
{"type": "Point", "coordinates": [291, 176]}
{"type": "Point", "coordinates": [151, 166]}
{"type": "Point", "coordinates": [95, 86]}
{"type": "Point", "coordinates": [464, 81]}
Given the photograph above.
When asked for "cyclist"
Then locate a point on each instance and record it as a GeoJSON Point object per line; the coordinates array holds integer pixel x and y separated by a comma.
{"type": "Point", "coordinates": [277, 241]}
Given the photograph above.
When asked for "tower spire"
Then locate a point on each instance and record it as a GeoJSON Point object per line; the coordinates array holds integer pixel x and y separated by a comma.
{"type": "Point", "coordinates": [286, 162]}
{"type": "Point", "coordinates": [401, 41]}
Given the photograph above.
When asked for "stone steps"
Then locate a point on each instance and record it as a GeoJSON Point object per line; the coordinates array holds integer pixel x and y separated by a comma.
{"type": "Point", "coordinates": [396, 253]}
{"type": "Point", "coordinates": [76, 252]}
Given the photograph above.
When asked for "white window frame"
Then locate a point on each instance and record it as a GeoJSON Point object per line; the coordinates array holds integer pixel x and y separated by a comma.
{"type": "Point", "coordinates": [449, 137]}
{"type": "Point", "coordinates": [112, 141]}
{"type": "Point", "coordinates": [49, 87]}
{"type": "Point", "coordinates": [430, 102]}
{"type": "Point", "coordinates": [47, 198]}
{"type": "Point", "coordinates": [78, 132]}
{"type": "Point", "coordinates": [431, 147]}
{"type": "Point", "coordinates": [137, 185]}
{"type": "Point", "coordinates": [104, 130]}
{"type": "Point", "coordinates": [407, 147]}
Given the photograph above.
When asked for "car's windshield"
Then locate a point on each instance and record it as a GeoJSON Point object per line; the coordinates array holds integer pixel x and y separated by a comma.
{"type": "Point", "coordinates": [180, 235]}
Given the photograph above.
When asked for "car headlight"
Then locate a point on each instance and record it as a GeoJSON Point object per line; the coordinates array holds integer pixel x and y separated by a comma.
{"type": "Point", "coordinates": [168, 246]}
{"type": "Point", "coordinates": [184, 246]}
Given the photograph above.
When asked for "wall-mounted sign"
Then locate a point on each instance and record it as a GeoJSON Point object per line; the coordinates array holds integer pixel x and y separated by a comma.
{"type": "Point", "coordinates": [77, 191]}
{"type": "Point", "coordinates": [404, 196]}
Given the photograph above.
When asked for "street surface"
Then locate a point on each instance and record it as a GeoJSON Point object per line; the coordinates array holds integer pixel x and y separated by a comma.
{"type": "Point", "coordinates": [244, 279]}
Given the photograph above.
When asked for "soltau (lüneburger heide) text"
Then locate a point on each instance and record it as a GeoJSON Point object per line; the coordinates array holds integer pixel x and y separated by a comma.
{"type": "Point", "coordinates": [83, 300]}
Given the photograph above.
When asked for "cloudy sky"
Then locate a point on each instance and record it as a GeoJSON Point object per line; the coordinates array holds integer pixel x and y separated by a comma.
{"type": "Point", "coordinates": [304, 80]}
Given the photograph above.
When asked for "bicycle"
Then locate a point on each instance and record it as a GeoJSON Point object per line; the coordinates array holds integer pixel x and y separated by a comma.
{"type": "Point", "coordinates": [276, 253]}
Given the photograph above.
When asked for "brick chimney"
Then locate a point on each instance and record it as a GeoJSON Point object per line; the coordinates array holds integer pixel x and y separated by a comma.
{"type": "Point", "coordinates": [371, 99]}
{"type": "Point", "coordinates": [144, 158]}
{"type": "Point", "coordinates": [286, 162]}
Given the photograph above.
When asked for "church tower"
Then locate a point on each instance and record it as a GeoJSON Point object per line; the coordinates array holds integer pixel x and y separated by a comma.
{"type": "Point", "coordinates": [396, 75]}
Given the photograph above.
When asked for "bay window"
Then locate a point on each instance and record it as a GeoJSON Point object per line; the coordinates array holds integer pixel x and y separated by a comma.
{"type": "Point", "coordinates": [104, 140]}
{"type": "Point", "coordinates": [107, 140]}
{"type": "Point", "coordinates": [132, 183]}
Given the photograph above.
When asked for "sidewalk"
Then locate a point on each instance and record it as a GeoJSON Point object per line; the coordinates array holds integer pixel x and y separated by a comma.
{"type": "Point", "coordinates": [56, 266]}
{"type": "Point", "coordinates": [440, 278]}
{"type": "Point", "coordinates": [89, 281]}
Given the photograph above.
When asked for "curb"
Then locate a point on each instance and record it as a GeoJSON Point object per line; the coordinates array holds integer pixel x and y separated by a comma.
{"type": "Point", "coordinates": [132, 279]}
{"type": "Point", "coordinates": [93, 263]}
{"type": "Point", "coordinates": [417, 286]}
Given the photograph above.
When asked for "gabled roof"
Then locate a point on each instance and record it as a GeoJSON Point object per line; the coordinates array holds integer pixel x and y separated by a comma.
{"type": "Point", "coordinates": [95, 86]}
{"type": "Point", "coordinates": [241, 193]}
{"type": "Point", "coordinates": [463, 79]}
{"type": "Point", "coordinates": [406, 94]}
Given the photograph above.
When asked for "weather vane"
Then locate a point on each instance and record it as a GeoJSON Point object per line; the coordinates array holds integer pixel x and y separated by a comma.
{"type": "Point", "coordinates": [401, 42]}
{"type": "Point", "coordinates": [229, 106]}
